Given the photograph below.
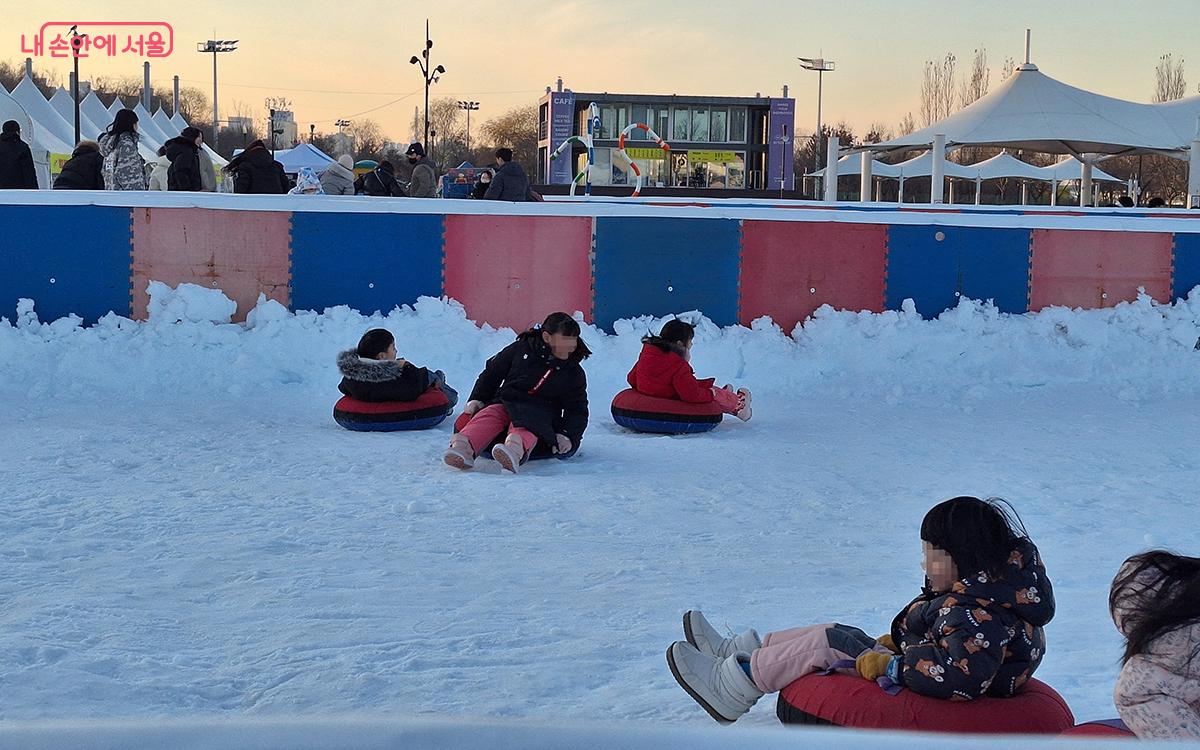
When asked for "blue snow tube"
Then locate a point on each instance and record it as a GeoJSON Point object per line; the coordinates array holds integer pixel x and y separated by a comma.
{"type": "Point", "coordinates": [666, 416]}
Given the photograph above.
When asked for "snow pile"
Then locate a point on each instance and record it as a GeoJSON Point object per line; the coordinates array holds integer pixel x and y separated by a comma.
{"type": "Point", "coordinates": [189, 348]}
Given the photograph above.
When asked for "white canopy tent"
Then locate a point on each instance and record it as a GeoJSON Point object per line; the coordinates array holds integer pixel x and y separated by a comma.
{"type": "Point", "coordinates": [43, 115]}
{"type": "Point", "coordinates": [852, 165]}
{"type": "Point", "coordinates": [41, 142]}
{"type": "Point", "coordinates": [65, 106]}
{"type": "Point", "coordinates": [1068, 169]}
{"type": "Point", "coordinates": [104, 116]}
{"type": "Point", "coordinates": [303, 155]}
{"type": "Point", "coordinates": [148, 129]}
{"type": "Point", "coordinates": [180, 123]}
{"type": "Point", "coordinates": [164, 123]}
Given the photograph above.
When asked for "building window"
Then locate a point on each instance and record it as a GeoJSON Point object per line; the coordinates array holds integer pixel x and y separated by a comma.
{"type": "Point", "coordinates": [710, 169]}
{"type": "Point", "coordinates": [717, 129]}
{"type": "Point", "coordinates": [700, 125]}
{"type": "Point", "coordinates": [737, 125]}
{"type": "Point", "coordinates": [662, 124]}
{"type": "Point", "coordinates": [645, 115]}
{"type": "Point", "coordinates": [613, 119]}
{"type": "Point", "coordinates": [682, 129]}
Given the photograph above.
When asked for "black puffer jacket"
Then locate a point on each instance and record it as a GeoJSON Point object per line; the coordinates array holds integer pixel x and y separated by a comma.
{"type": "Point", "coordinates": [379, 182]}
{"type": "Point", "coordinates": [184, 172]}
{"type": "Point", "coordinates": [984, 637]}
{"type": "Point", "coordinates": [541, 393]}
{"type": "Point", "coordinates": [257, 172]}
{"type": "Point", "coordinates": [509, 184]}
{"type": "Point", "coordinates": [379, 379]}
{"type": "Point", "coordinates": [16, 163]}
{"type": "Point", "coordinates": [84, 170]}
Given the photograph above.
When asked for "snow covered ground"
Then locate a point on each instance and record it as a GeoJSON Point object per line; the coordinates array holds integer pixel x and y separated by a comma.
{"type": "Point", "coordinates": [187, 532]}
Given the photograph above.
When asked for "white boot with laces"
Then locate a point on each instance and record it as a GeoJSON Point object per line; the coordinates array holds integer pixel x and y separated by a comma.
{"type": "Point", "coordinates": [701, 634]}
{"type": "Point", "coordinates": [720, 686]}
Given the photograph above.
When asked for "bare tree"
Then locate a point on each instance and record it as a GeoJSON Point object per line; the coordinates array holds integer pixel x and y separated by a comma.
{"type": "Point", "coordinates": [975, 86]}
{"type": "Point", "coordinates": [1169, 81]}
{"type": "Point", "coordinates": [907, 124]}
{"type": "Point", "coordinates": [938, 96]}
{"type": "Point", "coordinates": [369, 139]}
{"type": "Point", "coordinates": [1010, 67]}
{"type": "Point", "coordinates": [878, 133]}
{"type": "Point", "coordinates": [516, 129]}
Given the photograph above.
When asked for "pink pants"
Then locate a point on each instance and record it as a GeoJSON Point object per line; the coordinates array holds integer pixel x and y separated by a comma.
{"type": "Point", "coordinates": [487, 425]}
{"type": "Point", "coordinates": [788, 655]}
{"type": "Point", "coordinates": [727, 400]}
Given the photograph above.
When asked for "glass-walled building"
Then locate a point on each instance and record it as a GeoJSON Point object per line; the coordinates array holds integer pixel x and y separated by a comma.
{"type": "Point", "coordinates": [716, 142]}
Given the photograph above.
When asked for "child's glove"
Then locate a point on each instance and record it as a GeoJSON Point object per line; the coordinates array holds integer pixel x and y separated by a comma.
{"type": "Point", "coordinates": [473, 406]}
{"type": "Point", "coordinates": [886, 641]}
{"type": "Point", "coordinates": [872, 665]}
{"type": "Point", "coordinates": [564, 443]}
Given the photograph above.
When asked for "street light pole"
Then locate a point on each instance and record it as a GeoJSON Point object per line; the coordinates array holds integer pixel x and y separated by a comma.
{"type": "Point", "coordinates": [214, 46]}
{"type": "Point", "coordinates": [429, 76]}
{"type": "Point", "coordinates": [469, 107]}
{"type": "Point", "coordinates": [822, 66]}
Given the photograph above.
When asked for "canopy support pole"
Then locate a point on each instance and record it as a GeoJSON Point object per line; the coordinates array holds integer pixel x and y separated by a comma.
{"type": "Point", "coordinates": [1085, 184]}
{"type": "Point", "coordinates": [831, 173]}
{"type": "Point", "coordinates": [864, 176]}
{"type": "Point", "coordinates": [878, 191]}
{"type": "Point", "coordinates": [951, 198]}
{"type": "Point", "coordinates": [1053, 192]}
{"type": "Point", "coordinates": [1024, 193]}
{"type": "Point", "coordinates": [936, 188]}
{"type": "Point", "coordinates": [1193, 200]}
{"type": "Point", "coordinates": [978, 188]}
{"type": "Point", "coordinates": [900, 193]}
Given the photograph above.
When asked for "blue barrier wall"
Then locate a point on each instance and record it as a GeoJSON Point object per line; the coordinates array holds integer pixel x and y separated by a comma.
{"type": "Point", "coordinates": [1185, 265]}
{"type": "Point", "coordinates": [68, 259]}
{"type": "Point", "coordinates": [935, 265]}
{"type": "Point", "coordinates": [369, 261]}
{"type": "Point", "coordinates": [658, 266]}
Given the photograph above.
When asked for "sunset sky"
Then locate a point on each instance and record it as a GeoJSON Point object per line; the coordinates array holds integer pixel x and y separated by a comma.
{"type": "Point", "coordinates": [350, 59]}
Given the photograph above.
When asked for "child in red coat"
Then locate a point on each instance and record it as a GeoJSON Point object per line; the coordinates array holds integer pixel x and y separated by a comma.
{"type": "Point", "coordinates": [662, 370]}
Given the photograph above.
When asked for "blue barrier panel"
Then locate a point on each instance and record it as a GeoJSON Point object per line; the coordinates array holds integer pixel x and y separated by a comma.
{"type": "Point", "coordinates": [365, 260]}
{"type": "Point", "coordinates": [935, 265]}
{"type": "Point", "coordinates": [658, 266]}
{"type": "Point", "coordinates": [67, 259]}
{"type": "Point", "coordinates": [1185, 264]}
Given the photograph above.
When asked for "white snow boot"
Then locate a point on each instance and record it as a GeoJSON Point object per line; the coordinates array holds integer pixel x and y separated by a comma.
{"type": "Point", "coordinates": [707, 640]}
{"type": "Point", "coordinates": [720, 686]}
{"type": "Point", "coordinates": [460, 455]}
{"type": "Point", "coordinates": [509, 454]}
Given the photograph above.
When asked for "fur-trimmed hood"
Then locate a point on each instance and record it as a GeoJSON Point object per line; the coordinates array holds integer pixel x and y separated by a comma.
{"type": "Point", "coordinates": [365, 370]}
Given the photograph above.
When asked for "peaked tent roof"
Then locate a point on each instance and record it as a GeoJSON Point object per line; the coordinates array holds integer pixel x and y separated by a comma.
{"type": "Point", "coordinates": [1004, 165]}
{"type": "Point", "coordinates": [41, 142]}
{"type": "Point", "coordinates": [148, 128]}
{"type": "Point", "coordinates": [303, 155]}
{"type": "Point", "coordinates": [43, 115]}
{"type": "Point", "coordinates": [1071, 168]}
{"type": "Point", "coordinates": [65, 106]}
{"type": "Point", "coordinates": [95, 110]}
{"type": "Point", "coordinates": [180, 123]}
{"type": "Point", "coordinates": [922, 166]}
{"type": "Point", "coordinates": [164, 123]}
{"type": "Point", "coordinates": [852, 165]}
{"type": "Point", "coordinates": [1033, 111]}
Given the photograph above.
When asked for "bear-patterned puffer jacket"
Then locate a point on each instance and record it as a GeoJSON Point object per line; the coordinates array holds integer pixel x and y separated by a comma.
{"type": "Point", "coordinates": [983, 637]}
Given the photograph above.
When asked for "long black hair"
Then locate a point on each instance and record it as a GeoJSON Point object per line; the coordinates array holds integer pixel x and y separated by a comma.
{"type": "Point", "coordinates": [123, 123]}
{"type": "Point", "coordinates": [978, 534]}
{"type": "Point", "coordinates": [560, 323]}
{"type": "Point", "coordinates": [674, 337]}
{"type": "Point", "coordinates": [1156, 592]}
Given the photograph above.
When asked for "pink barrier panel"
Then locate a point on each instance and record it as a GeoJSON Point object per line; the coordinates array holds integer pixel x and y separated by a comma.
{"type": "Point", "coordinates": [514, 270]}
{"type": "Point", "coordinates": [789, 269]}
{"type": "Point", "coordinates": [1092, 269]}
{"type": "Point", "coordinates": [242, 253]}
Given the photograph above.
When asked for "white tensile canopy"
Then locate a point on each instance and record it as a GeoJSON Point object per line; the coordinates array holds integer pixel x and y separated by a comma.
{"type": "Point", "coordinates": [44, 116]}
{"type": "Point", "coordinates": [852, 165]}
{"type": "Point", "coordinates": [1069, 169]}
{"type": "Point", "coordinates": [1031, 110]}
{"type": "Point", "coordinates": [95, 111]}
{"type": "Point", "coordinates": [1005, 165]}
{"type": "Point", "coordinates": [163, 121]}
{"type": "Point", "coordinates": [62, 102]}
{"type": "Point", "coordinates": [149, 130]}
{"type": "Point", "coordinates": [303, 155]}
{"type": "Point", "coordinates": [180, 123]}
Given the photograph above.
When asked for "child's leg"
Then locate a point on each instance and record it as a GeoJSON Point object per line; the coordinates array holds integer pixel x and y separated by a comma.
{"type": "Point", "coordinates": [729, 401]}
{"type": "Point", "coordinates": [485, 426]}
{"type": "Point", "coordinates": [528, 440]}
{"type": "Point", "coordinates": [788, 655]}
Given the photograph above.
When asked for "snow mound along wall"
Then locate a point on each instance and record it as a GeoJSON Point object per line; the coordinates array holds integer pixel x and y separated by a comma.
{"type": "Point", "coordinates": [510, 266]}
{"type": "Point", "coordinates": [188, 349]}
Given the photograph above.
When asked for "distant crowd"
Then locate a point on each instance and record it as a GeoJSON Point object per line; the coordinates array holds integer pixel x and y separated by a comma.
{"type": "Point", "coordinates": [113, 162]}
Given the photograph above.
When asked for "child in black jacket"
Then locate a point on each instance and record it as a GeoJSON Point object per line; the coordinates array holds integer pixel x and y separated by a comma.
{"type": "Point", "coordinates": [534, 392]}
{"type": "Point", "coordinates": [371, 372]}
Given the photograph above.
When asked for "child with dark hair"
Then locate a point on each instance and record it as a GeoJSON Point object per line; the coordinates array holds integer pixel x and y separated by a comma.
{"type": "Point", "coordinates": [534, 392]}
{"type": "Point", "coordinates": [1155, 603]}
{"type": "Point", "coordinates": [975, 630]}
{"type": "Point", "coordinates": [663, 370]}
{"type": "Point", "coordinates": [371, 372]}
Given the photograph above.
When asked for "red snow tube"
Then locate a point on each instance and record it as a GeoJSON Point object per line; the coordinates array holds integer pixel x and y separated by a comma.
{"type": "Point", "coordinates": [850, 701]}
{"type": "Point", "coordinates": [642, 413]}
{"type": "Point", "coordinates": [1112, 728]}
{"type": "Point", "coordinates": [428, 410]}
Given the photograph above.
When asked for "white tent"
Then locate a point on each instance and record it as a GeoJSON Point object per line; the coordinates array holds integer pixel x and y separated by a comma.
{"type": "Point", "coordinates": [43, 115]}
{"type": "Point", "coordinates": [65, 106]}
{"type": "Point", "coordinates": [922, 166]}
{"type": "Point", "coordinates": [41, 142]}
{"type": "Point", "coordinates": [303, 155]}
{"type": "Point", "coordinates": [1005, 165]}
{"type": "Point", "coordinates": [852, 165]}
{"type": "Point", "coordinates": [164, 123]}
{"type": "Point", "coordinates": [1033, 111]}
{"type": "Point", "coordinates": [149, 130]}
{"type": "Point", "coordinates": [1069, 169]}
{"type": "Point", "coordinates": [180, 123]}
{"type": "Point", "coordinates": [95, 111]}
